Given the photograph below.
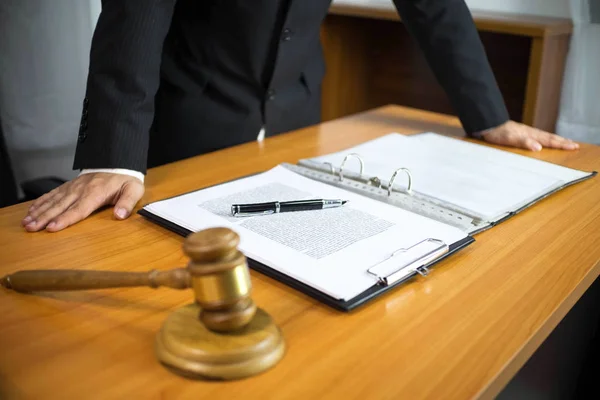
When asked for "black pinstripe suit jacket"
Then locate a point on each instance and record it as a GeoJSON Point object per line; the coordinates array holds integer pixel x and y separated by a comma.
{"type": "Point", "coordinates": [173, 79]}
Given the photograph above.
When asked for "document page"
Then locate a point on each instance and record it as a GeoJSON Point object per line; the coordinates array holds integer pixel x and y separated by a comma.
{"type": "Point", "coordinates": [328, 249]}
{"type": "Point", "coordinates": [484, 182]}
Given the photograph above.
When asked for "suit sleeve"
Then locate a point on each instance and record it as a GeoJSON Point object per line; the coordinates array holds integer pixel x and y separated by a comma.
{"type": "Point", "coordinates": [447, 36]}
{"type": "Point", "coordinates": [123, 78]}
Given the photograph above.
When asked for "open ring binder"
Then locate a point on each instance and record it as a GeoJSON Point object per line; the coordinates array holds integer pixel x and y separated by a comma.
{"type": "Point", "coordinates": [373, 181]}
{"type": "Point", "coordinates": [332, 169]}
{"type": "Point", "coordinates": [381, 267]}
{"type": "Point", "coordinates": [374, 187]}
{"type": "Point", "coordinates": [420, 255]}
{"type": "Point", "coordinates": [391, 183]}
{"type": "Point", "coordinates": [362, 165]}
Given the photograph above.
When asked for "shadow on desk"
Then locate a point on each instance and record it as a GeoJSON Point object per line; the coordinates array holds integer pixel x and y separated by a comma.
{"type": "Point", "coordinates": [567, 364]}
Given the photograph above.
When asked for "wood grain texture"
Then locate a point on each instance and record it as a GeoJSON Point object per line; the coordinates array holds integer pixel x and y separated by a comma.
{"type": "Point", "coordinates": [72, 279]}
{"type": "Point", "coordinates": [462, 332]}
{"type": "Point", "coordinates": [544, 81]}
{"type": "Point", "coordinates": [191, 350]}
{"type": "Point", "coordinates": [373, 61]}
{"type": "Point", "coordinates": [346, 86]}
{"type": "Point", "coordinates": [486, 21]}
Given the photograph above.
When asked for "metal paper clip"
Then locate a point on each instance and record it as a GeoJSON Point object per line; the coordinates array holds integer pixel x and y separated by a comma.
{"type": "Point", "coordinates": [425, 252]}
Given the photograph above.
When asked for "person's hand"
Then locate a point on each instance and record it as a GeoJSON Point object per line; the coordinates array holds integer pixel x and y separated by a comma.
{"type": "Point", "coordinates": [76, 199]}
{"type": "Point", "coordinates": [515, 134]}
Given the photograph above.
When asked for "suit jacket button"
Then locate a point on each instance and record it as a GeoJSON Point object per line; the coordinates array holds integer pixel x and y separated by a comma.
{"type": "Point", "coordinates": [271, 94]}
{"type": "Point", "coordinates": [81, 137]}
{"type": "Point", "coordinates": [86, 101]}
{"type": "Point", "coordinates": [287, 35]}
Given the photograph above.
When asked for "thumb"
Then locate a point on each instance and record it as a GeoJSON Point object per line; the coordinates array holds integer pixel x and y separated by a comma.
{"type": "Point", "coordinates": [132, 192]}
{"type": "Point", "coordinates": [532, 144]}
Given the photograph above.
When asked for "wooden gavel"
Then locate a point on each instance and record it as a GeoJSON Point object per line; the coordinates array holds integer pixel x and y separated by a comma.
{"type": "Point", "coordinates": [222, 335]}
{"type": "Point", "coordinates": [65, 279]}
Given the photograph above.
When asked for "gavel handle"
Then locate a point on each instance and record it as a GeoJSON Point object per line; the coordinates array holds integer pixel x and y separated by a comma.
{"type": "Point", "coordinates": [56, 280]}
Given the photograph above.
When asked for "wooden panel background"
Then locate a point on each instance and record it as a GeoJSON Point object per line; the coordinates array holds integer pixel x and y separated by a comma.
{"type": "Point", "coordinates": [372, 62]}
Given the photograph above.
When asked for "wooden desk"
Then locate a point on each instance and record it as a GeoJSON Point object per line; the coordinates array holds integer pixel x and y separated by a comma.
{"type": "Point", "coordinates": [372, 61]}
{"type": "Point", "coordinates": [460, 333]}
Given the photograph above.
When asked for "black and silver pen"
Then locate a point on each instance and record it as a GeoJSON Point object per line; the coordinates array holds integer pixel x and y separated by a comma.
{"type": "Point", "coordinates": [274, 207]}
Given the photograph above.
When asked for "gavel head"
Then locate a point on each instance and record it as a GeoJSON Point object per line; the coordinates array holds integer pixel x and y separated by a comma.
{"type": "Point", "coordinates": [223, 335]}
{"type": "Point", "coordinates": [220, 279]}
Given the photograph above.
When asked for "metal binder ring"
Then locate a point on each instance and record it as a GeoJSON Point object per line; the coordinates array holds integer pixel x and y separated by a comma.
{"type": "Point", "coordinates": [330, 167]}
{"type": "Point", "coordinates": [391, 183]}
{"type": "Point", "coordinates": [362, 165]}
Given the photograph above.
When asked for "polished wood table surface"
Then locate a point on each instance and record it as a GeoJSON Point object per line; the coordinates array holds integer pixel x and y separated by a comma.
{"type": "Point", "coordinates": [462, 332]}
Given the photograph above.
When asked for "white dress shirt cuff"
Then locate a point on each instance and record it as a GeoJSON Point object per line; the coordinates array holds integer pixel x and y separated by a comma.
{"type": "Point", "coordinates": [130, 172]}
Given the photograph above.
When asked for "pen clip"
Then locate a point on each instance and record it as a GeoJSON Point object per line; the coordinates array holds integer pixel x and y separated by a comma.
{"type": "Point", "coordinates": [235, 211]}
{"type": "Point", "coordinates": [252, 214]}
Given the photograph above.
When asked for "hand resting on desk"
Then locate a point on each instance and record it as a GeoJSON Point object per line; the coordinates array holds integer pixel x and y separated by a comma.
{"type": "Point", "coordinates": [76, 199]}
{"type": "Point", "coordinates": [523, 136]}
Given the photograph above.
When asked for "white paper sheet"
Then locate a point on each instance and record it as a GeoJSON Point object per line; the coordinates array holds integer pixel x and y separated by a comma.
{"type": "Point", "coordinates": [486, 182]}
{"type": "Point", "coordinates": [329, 249]}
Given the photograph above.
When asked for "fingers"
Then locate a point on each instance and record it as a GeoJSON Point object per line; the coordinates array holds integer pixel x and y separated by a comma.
{"type": "Point", "coordinates": [132, 192]}
{"type": "Point", "coordinates": [530, 144]}
{"type": "Point", "coordinates": [42, 200]}
{"type": "Point", "coordinates": [77, 199]}
{"type": "Point", "coordinates": [81, 198]}
{"type": "Point", "coordinates": [80, 210]}
{"type": "Point", "coordinates": [516, 136]}
{"type": "Point", "coordinates": [554, 141]}
{"type": "Point", "coordinates": [526, 137]}
{"type": "Point", "coordinates": [513, 138]}
{"type": "Point", "coordinates": [52, 208]}
{"type": "Point", "coordinates": [40, 207]}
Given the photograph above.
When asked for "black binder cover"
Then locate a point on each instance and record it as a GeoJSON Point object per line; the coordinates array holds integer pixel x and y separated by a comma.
{"type": "Point", "coordinates": [342, 305]}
